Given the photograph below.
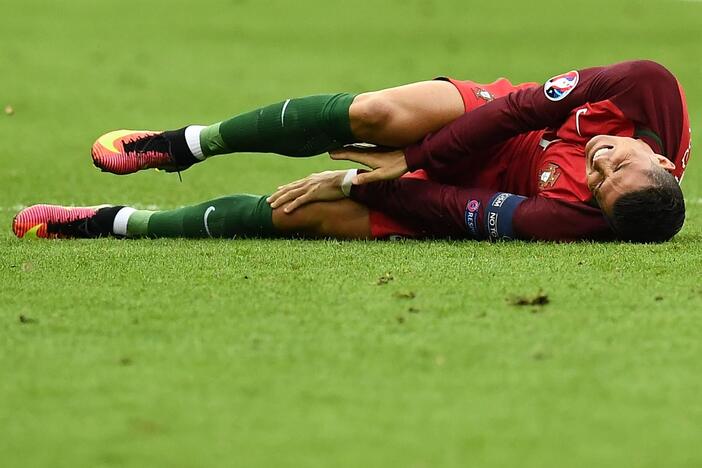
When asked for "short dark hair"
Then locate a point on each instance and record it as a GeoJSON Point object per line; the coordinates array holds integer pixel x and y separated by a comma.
{"type": "Point", "coordinates": [654, 214]}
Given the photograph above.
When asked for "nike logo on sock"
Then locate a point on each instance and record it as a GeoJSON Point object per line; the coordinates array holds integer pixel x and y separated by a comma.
{"type": "Point", "coordinates": [209, 210]}
{"type": "Point", "coordinates": [282, 113]}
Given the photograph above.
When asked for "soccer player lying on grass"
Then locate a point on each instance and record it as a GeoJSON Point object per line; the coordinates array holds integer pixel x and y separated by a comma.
{"type": "Point", "coordinates": [592, 154]}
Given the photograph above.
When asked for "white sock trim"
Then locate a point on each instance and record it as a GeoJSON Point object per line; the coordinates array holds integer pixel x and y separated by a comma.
{"type": "Point", "coordinates": [348, 181]}
{"type": "Point", "coordinates": [119, 227]}
{"type": "Point", "coordinates": [192, 137]}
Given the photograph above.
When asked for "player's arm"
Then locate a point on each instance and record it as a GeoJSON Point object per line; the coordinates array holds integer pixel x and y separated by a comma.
{"type": "Point", "coordinates": [438, 210]}
{"type": "Point", "coordinates": [626, 84]}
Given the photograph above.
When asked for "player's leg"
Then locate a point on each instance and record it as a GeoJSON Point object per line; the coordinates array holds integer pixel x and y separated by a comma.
{"type": "Point", "coordinates": [342, 219]}
{"type": "Point", "coordinates": [295, 127]}
{"type": "Point", "coordinates": [225, 217]}
{"type": "Point", "coordinates": [400, 116]}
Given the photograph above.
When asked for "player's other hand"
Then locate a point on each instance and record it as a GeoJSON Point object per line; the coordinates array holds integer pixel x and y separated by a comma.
{"type": "Point", "coordinates": [323, 186]}
{"type": "Point", "coordinates": [384, 164]}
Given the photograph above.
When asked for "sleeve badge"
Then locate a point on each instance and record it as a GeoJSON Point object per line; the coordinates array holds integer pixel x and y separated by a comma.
{"type": "Point", "coordinates": [560, 86]}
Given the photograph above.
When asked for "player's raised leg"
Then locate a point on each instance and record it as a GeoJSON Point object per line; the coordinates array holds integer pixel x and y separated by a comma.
{"type": "Point", "coordinates": [226, 217]}
{"type": "Point", "coordinates": [400, 116]}
{"type": "Point", "coordinates": [295, 127]}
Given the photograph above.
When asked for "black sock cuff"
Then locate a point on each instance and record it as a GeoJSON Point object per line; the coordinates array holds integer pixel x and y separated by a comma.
{"type": "Point", "coordinates": [104, 219]}
{"type": "Point", "coordinates": [179, 147]}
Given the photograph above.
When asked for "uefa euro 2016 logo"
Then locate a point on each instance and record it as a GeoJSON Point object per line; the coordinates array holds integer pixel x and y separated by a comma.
{"type": "Point", "coordinates": [560, 86]}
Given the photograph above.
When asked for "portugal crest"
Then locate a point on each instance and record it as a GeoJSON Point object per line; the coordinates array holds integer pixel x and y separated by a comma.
{"type": "Point", "coordinates": [483, 94]}
{"type": "Point", "coordinates": [549, 175]}
{"type": "Point", "coordinates": [560, 86]}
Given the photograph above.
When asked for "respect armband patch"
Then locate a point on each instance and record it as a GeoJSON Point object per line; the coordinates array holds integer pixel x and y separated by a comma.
{"type": "Point", "coordinates": [499, 213]}
{"type": "Point", "coordinates": [472, 212]}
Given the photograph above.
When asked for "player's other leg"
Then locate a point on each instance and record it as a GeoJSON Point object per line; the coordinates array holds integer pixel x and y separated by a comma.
{"type": "Point", "coordinates": [297, 127]}
{"type": "Point", "coordinates": [226, 217]}
{"type": "Point", "coordinates": [342, 219]}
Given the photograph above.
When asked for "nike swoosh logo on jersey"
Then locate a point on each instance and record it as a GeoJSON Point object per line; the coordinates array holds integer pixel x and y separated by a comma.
{"type": "Point", "coordinates": [578, 113]}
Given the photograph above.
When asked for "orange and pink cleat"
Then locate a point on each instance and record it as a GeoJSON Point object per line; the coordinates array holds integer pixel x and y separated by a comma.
{"type": "Point", "coordinates": [56, 222]}
{"type": "Point", "coordinates": [128, 151]}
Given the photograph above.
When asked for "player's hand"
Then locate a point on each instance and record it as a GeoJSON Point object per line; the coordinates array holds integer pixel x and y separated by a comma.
{"type": "Point", "coordinates": [323, 186]}
{"type": "Point", "coordinates": [385, 164]}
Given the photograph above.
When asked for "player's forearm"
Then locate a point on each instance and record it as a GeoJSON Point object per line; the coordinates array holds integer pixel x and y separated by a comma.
{"type": "Point", "coordinates": [438, 210]}
{"type": "Point", "coordinates": [480, 128]}
{"type": "Point", "coordinates": [431, 208]}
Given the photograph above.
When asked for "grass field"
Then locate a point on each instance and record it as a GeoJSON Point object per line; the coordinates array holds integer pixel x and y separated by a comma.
{"type": "Point", "coordinates": [323, 353]}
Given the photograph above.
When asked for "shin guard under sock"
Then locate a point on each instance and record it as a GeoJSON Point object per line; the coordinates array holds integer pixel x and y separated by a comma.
{"type": "Point", "coordinates": [297, 127]}
{"type": "Point", "coordinates": [230, 216]}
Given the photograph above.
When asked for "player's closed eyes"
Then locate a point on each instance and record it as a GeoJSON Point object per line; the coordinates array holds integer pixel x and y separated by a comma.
{"type": "Point", "coordinates": [596, 188]}
{"type": "Point", "coordinates": [626, 162]}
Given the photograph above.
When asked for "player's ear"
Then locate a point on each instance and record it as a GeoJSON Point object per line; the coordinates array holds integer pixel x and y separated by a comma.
{"type": "Point", "coordinates": [664, 162]}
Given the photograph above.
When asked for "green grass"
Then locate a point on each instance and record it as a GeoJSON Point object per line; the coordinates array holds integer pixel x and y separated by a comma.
{"type": "Point", "coordinates": [296, 353]}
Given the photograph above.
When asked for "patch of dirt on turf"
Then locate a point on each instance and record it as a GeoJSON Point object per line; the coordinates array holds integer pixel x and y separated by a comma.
{"type": "Point", "coordinates": [404, 294]}
{"type": "Point", "coordinates": [539, 354]}
{"type": "Point", "coordinates": [146, 426]}
{"type": "Point", "coordinates": [385, 279]}
{"type": "Point", "coordinates": [24, 319]}
{"type": "Point", "coordinates": [540, 299]}
{"type": "Point", "coordinates": [126, 361]}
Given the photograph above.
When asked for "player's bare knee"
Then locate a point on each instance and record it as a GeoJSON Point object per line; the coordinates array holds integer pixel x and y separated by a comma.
{"type": "Point", "coordinates": [370, 114]}
{"type": "Point", "coordinates": [299, 221]}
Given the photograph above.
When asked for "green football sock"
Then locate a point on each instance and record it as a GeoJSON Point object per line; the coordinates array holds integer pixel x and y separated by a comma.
{"type": "Point", "coordinates": [297, 127]}
{"type": "Point", "coordinates": [231, 216]}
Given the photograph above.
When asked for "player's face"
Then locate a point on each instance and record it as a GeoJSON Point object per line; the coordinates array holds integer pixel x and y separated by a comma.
{"type": "Point", "coordinates": [618, 165]}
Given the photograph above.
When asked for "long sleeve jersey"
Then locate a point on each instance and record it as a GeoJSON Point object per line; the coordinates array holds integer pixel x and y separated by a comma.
{"type": "Point", "coordinates": [523, 155]}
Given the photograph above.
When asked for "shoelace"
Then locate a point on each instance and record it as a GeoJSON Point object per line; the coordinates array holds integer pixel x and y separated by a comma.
{"type": "Point", "coordinates": [80, 228]}
{"type": "Point", "coordinates": [145, 148]}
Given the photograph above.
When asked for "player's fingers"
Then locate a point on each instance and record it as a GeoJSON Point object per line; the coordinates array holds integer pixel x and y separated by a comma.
{"type": "Point", "coordinates": [283, 189]}
{"type": "Point", "coordinates": [293, 184]}
{"type": "Point", "coordinates": [275, 195]}
{"type": "Point", "coordinates": [367, 159]}
{"type": "Point", "coordinates": [382, 173]}
{"type": "Point", "coordinates": [368, 177]}
{"type": "Point", "coordinates": [298, 202]}
{"type": "Point", "coordinates": [342, 153]}
{"type": "Point", "coordinates": [288, 196]}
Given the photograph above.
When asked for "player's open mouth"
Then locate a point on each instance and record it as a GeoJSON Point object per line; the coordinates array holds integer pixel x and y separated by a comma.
{"type": "Point", "coordinates": [599, 152]}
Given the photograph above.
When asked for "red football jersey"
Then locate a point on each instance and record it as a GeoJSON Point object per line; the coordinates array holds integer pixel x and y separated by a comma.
{"type": "Point", "coordinates": [638, 99]}
{"type": "Point", "coordinates": [530, 145]}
